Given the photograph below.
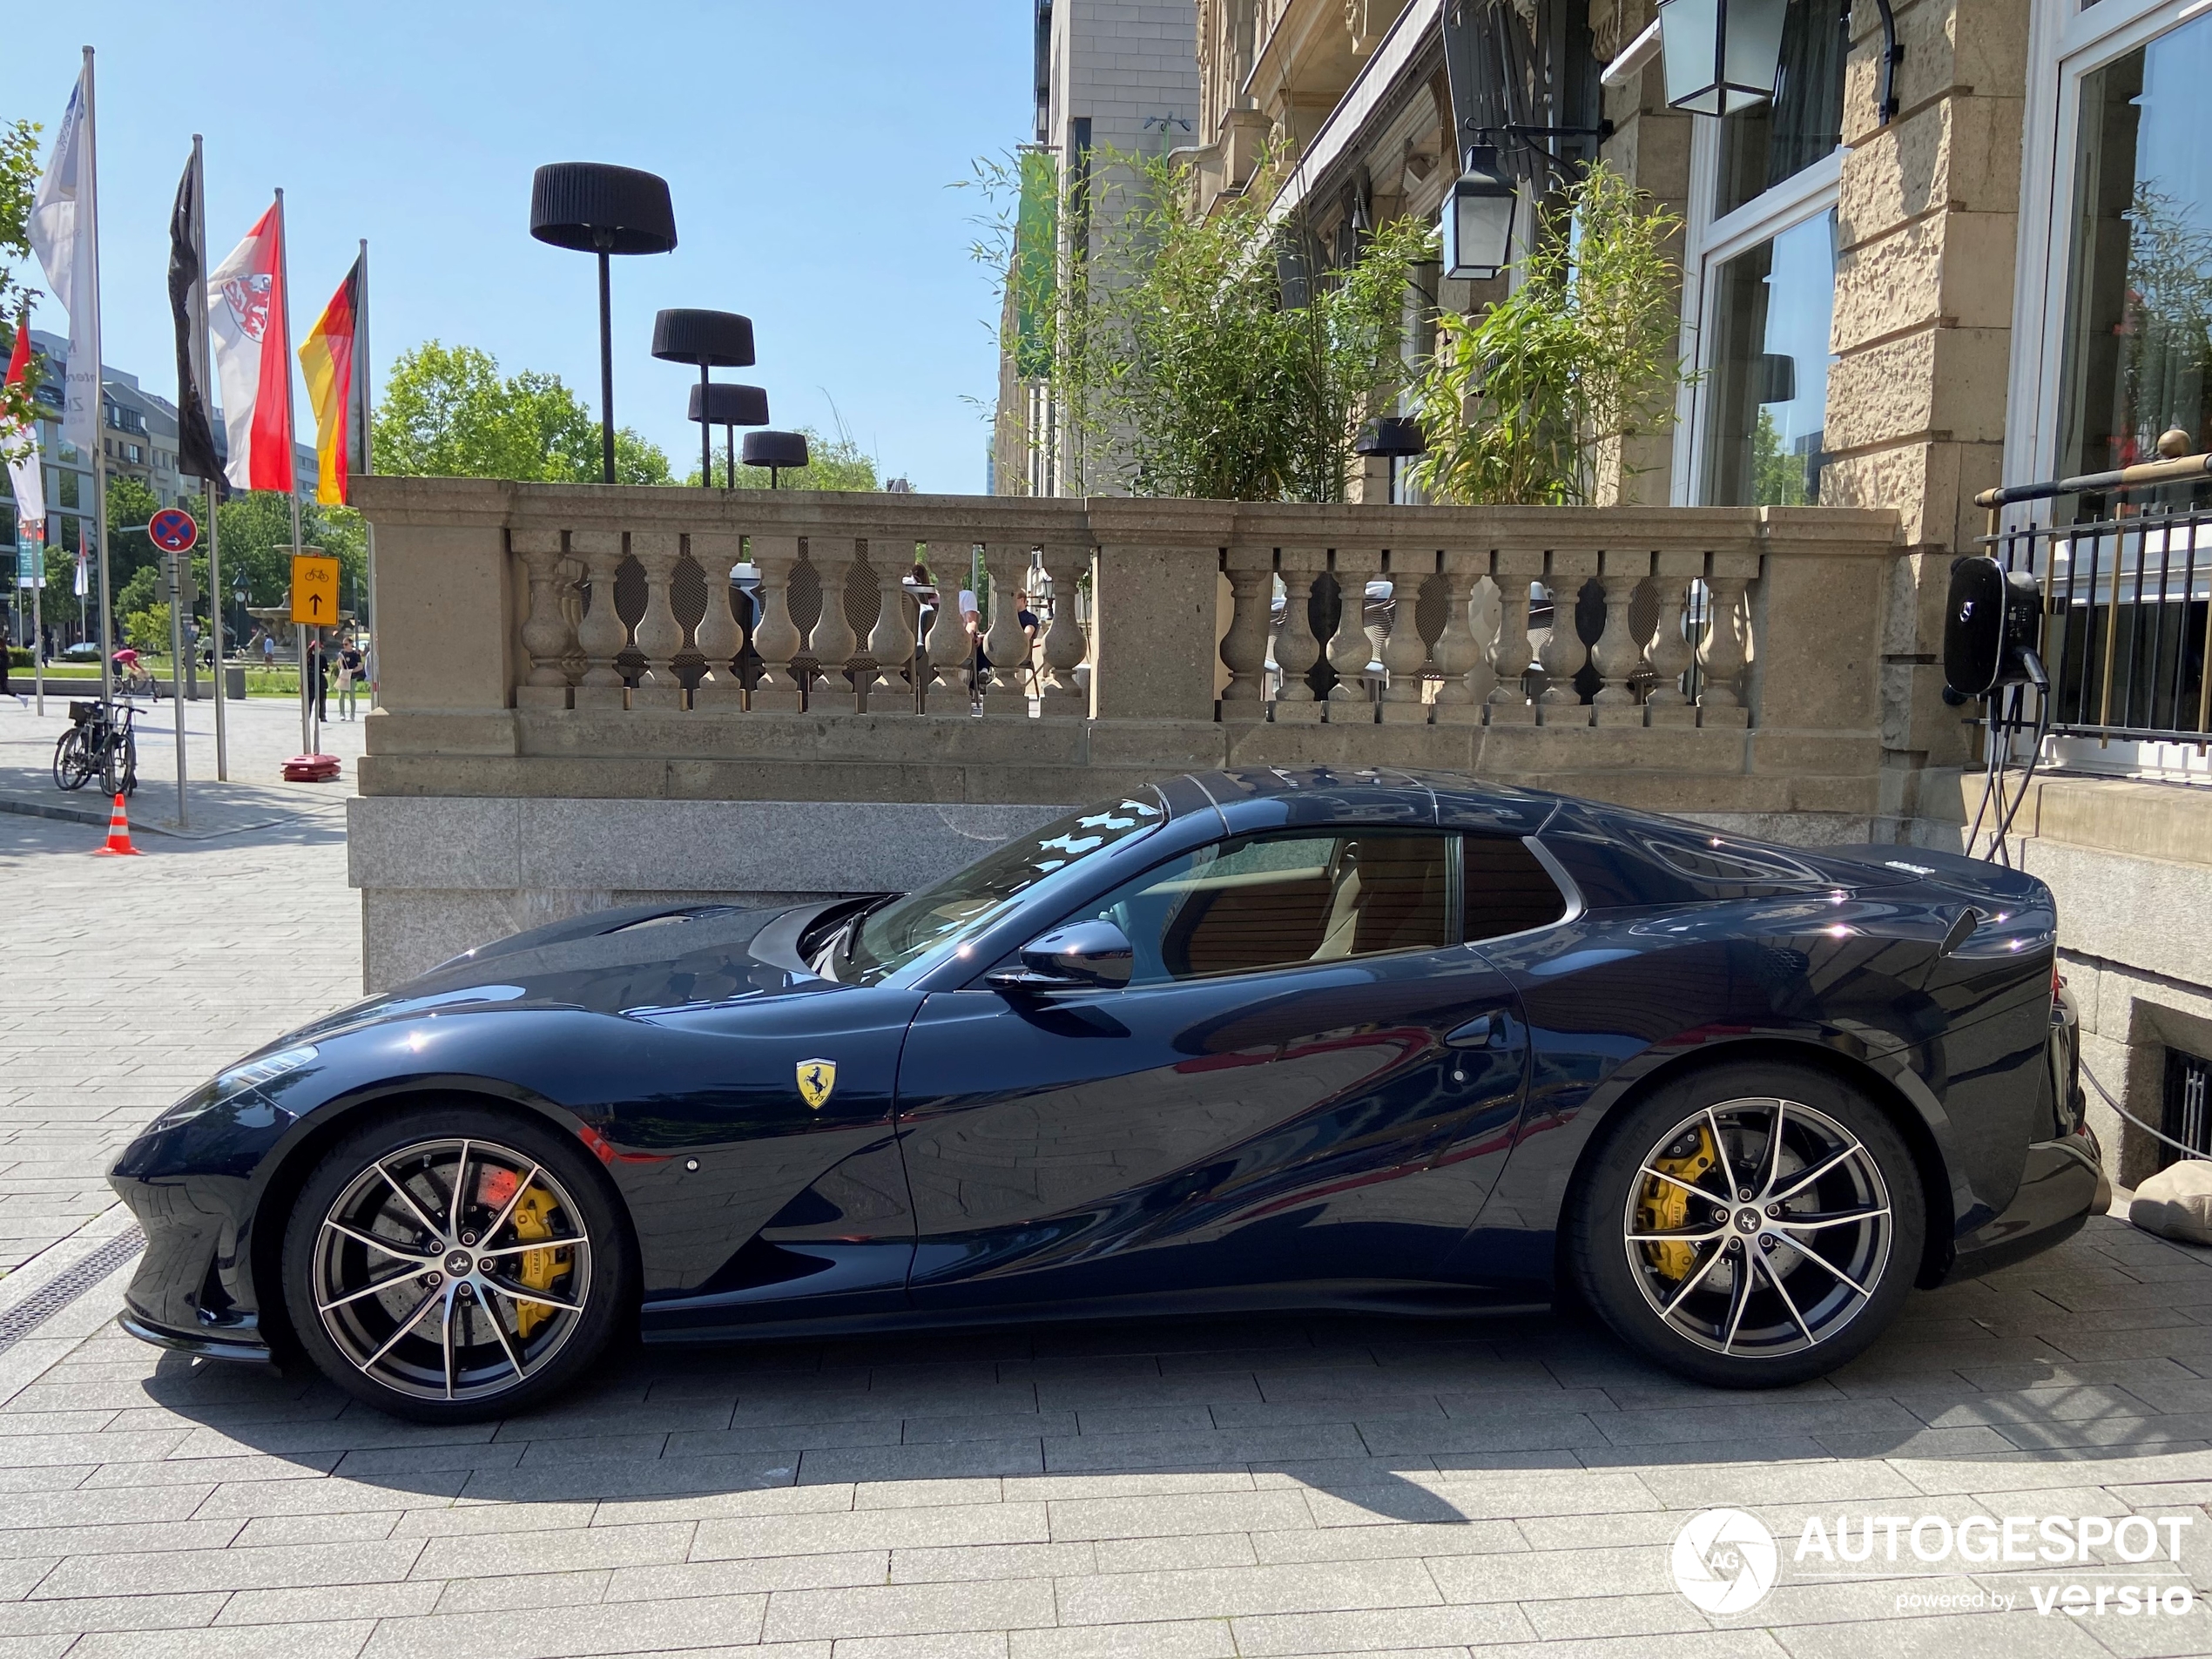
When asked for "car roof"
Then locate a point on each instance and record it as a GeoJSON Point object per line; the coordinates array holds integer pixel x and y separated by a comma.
{"type": "Point", "coordinates": [1308, 794]}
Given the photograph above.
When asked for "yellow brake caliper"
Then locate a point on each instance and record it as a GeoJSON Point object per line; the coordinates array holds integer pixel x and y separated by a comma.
{"type": "Point", "coordinates": [540, 1269]}
{"type": "Point", "coordinates": [1664, 1207]}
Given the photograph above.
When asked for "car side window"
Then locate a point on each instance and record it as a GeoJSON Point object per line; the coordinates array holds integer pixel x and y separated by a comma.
{"type": "Point", "coordinates": [1264, 901]}
{"type": "Point", "coordinates": [1506, 889]}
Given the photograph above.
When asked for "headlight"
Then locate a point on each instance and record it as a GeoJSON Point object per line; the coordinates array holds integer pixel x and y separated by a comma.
{"type": "Point", "coordinates": [251, 1074]}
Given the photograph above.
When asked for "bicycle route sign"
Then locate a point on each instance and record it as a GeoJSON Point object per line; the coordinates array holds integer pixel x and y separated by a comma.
{"type": "Point", "coordinates": [173, 530]}
{"type": "Point", "coordinates": [314, 590]}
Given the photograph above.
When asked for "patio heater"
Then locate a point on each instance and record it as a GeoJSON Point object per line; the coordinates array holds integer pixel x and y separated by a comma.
{"type": "Point", "coordinates": [712, 340]}
{"type": "Point", "coordinates": [592, 207]}
{"type": "Point", "coordinates": [775, 450]}
{"type": "Point", "coordinates": [719, 403]}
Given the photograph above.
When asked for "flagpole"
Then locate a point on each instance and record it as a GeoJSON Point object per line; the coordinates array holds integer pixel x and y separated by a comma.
{"type": "Point", "coordinates": [201, 368]}
{"type": "Point", "coordinates": [290, 460]}
{"type": "Point", "coordinates": [368, 465]}
{"type": "Point", "coordinates": [89, 205]}
{"type": "Point", "coordinates": [38, 623]}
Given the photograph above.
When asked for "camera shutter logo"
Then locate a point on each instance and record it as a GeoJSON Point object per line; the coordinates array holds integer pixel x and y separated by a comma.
{"type": "Point", "coordinates": [1724, 1561]}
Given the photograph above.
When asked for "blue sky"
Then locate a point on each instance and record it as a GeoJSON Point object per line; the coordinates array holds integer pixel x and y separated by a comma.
{"type": "Point", "coordinates": [808, 149]}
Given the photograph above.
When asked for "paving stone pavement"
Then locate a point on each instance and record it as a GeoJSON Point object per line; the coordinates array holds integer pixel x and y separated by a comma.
{"type": "Point", "coordinates": [1266, 1487]}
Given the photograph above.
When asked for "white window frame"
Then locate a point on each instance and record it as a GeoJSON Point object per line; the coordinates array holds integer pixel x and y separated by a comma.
{"type": "Point", "coordinates": [1708, 242]}
{"type": "Point", "coordinates": [2066, 41]}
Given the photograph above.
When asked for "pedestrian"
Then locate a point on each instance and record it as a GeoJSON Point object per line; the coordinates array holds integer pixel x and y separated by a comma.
{"type": "Point", "coordinates": [351, 671]}
{"type": "Point", "coordinates": [6, 690]}
{"type": "Point", "coordinates": [316, 669]}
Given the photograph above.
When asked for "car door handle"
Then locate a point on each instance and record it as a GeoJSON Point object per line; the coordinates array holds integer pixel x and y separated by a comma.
{"type": "Point", "coordinates": [1484, 1031]}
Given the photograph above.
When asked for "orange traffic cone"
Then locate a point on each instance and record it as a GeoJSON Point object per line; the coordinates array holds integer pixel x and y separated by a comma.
{"type": "Point", "coordinates": [118, 835]}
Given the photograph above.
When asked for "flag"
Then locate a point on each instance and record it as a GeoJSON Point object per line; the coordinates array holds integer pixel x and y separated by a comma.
{"type": "Point", "coordinates": [83, 585]}
{"type": "Point", "coordinates": [62, 219]}
{"type": "Point", "coordinates": [187, 259]}
{"type": "Point", "coordinates": [20, 445]}
{"type": "Point", "coordinates": [246, 302]}
{"type": "Point", "coordinates": [327, 359]}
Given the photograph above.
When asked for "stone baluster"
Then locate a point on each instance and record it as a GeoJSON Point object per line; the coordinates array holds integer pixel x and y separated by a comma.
{"type": "Point", "coordinates": [1350, 649]}
{"type": "Point", "coordinates": [1296, 648]}
{"type": "Point", "coordinates": [1564, 653]}
{"type": "Point", "coordinates": [947, 649]}
{"type": "Point", "coordinates": [1065, 648]}
{"type": "Point", "coordinates": [1618, 653]}
{"type": "Point", "coordinates": [1669, 652]}
{"type": "Point", "coordinates": [602, 634]}
{"type": "Point", "coordinates": [717, 636]}
{"type": "Point", "coordinates": [658, 634]}
{"type": "Point", "coordinates": [832, 641]}
{"type": "Point", "coordinates": [1244, 648]}
{"type": "Point", "coordinates": [1459, 698]}
{"type": "Point", "coordinates": [1725, 654]}
{"type": "Point", "coordinates": [547, 635]}
{"type": "Point", "coordinates": [1511, 652]}
{"type": "Point", "coordinates": [1006, 684]}
{"type": "Point", "coordinates": [1405, 655]}
{"type": "Point", "coordinates": [891, 641]}
{"type": "Point", "coordinates": [774, 635]}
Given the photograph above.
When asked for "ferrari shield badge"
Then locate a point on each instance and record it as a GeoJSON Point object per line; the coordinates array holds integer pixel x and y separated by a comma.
{"type": "Point", "coordinates": [816, 1079]}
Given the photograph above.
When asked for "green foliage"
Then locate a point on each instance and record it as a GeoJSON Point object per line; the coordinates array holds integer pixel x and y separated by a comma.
{"type": "Point", "coordinates": [130, 502]}
{"type": "Point", "coordinates": [1777, 477]}
{"type": "Point", "coordinates": [831, 463]}
{"type": "Point", "coordinates": [449, 413]}
{"type": "Point", "coordinates": [147, 631]}
{"type": "Point", "coordinates": [1175, 356]}
{"type": "Point", "coordinates": [1518, 403]}
{"type": "Point", "coordinates": [255, 528]}
{"type": "Point", "coordinates": [19, 186]}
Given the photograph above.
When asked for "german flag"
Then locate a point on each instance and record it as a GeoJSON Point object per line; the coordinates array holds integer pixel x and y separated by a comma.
{"type": "Point", "coordinates": [327, 359]}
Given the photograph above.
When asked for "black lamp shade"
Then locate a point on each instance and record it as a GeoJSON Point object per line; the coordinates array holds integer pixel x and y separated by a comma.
{"type": "Point", "coordinates": [1392, 435]}
{"type": "Point", "coordinates": [1478, 219]}
{"type": "Point", "coordinates": [722, 404]}
{"type": "Point", "coordinates": [775, 449]}
{"type": "Point", "coordinates": [590, 204]}
{"type": "Point", "coordinates": [704, 338]}
{"type": "Point", "coordinates": [1722, 56]}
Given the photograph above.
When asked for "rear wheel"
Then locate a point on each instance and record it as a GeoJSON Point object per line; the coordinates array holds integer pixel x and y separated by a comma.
{"type": "Point", "coordinates": [1750, 1225]}
{"type": "Point", "coordinates": [452, 1264]}
{"type": "Point", "coordinates": [119, 766]}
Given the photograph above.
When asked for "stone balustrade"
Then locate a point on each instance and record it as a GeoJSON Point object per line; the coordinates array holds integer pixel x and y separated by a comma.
{"type": "Point", "coordinates": [573, 654]}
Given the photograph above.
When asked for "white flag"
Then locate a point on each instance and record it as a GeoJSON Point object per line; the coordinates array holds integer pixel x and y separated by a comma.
{"type": "Point", "coordinates": [62, 220]}
{"type": "Point", "coordinates": [81, 585]}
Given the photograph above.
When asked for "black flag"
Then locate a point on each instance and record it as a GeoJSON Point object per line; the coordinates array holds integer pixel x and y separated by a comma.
{"type": "Point", "coordinates": [195, 438]}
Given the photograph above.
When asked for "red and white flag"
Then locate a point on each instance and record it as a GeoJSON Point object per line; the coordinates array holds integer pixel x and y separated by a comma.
{"type": "Point", "coordinates": [19, 447]}
{"type": "Point", "coordinates": [245, 315]}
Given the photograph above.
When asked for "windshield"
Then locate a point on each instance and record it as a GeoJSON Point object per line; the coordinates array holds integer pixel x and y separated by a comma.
{"type": "Point", "coordinates": [885, 940]}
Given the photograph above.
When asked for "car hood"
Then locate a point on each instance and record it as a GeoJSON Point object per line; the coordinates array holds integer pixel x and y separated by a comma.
{"type": "Point", "coordinates": [632, 960]}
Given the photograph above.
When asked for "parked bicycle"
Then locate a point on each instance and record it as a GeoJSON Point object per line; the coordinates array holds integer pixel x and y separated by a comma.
{"type": "Point", "coordinates": [99, 741]}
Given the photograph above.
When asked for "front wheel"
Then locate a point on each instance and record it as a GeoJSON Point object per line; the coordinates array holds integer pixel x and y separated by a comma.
{"type": "Point", "coordinates": [451, 1264]}
{"type": "Point", "coordinates": [72, 764]}
{"type": "Point", "coordinates": [1750, 1225]}
{"type": "Point", "coordinates": [119, 766]}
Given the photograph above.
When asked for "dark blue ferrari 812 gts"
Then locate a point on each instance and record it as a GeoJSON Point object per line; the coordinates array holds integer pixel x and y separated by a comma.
{"type": "Point", "coordinates": [1246, 1040]}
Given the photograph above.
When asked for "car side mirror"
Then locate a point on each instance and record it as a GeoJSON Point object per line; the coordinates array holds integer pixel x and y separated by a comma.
{"type": "Point", "coordinates": [1082, 955]}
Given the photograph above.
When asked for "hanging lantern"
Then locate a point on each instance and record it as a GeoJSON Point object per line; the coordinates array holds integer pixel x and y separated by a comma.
{"type": "Point", "coordinates": [1478, 220]}
{"type": "Point", "coordinates": [1722, 56]}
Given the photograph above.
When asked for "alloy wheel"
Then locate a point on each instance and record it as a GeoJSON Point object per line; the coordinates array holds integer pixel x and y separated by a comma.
{"type": "Point", "coordinates": [1756, 1227]}
{"type": "Point", "coordinates": [452, 1270]}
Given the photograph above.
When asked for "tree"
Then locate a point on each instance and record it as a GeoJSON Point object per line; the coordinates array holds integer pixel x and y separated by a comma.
{"type": "Point", "coordinates": [1518, 403]}
{"type": "Point", "coordinates": [449, 413]}
{"type": "Point", "coordinates": [831, 463]}
{"type": "Point", "coordinates": [18, 187]}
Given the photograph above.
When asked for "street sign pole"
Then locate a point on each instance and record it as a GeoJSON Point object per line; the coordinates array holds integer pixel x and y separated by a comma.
{"type": "Point", "coordinates": [177, 678]}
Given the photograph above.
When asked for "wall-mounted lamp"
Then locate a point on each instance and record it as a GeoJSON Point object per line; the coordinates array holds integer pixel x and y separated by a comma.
{"type": "Point", "coordinates": [1478, 219]}
{"type": "Point", "coordinates": [1722, 56]}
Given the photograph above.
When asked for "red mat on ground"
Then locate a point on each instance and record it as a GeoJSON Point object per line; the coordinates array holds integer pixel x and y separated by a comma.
{"type": "Point", "coordinates": [311, 769]}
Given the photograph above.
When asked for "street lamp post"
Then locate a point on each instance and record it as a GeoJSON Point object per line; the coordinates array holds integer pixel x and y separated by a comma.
{"type": "Point", "coordinates": [712, 340]}
{"type": "Point", "coordinates": [592, 207]}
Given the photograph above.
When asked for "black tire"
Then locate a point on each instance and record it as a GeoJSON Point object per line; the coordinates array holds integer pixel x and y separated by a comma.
{"type": "Point", "coordinates": [489, 1309]}
{"type": "Point", "coordinates": [1759, 1294]}
{"type": "Point", "coordinates": [119, 767]}
{"type": "Point", "coordinates": [72, 767]}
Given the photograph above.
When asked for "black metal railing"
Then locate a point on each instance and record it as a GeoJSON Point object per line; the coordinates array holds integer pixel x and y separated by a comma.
{"type": "Point", "coordinates": [2125, 564]}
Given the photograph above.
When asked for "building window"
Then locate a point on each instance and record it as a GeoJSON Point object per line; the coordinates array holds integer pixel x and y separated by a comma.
{"type": "Point", "coordinates": [1766, 391]}
{"type": "Point", "coordinates": [2139, 301]}
{"type": "Point", "coordinates": [66, 496]}
{"type": "Point", "coordinates": [1763, 146]}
